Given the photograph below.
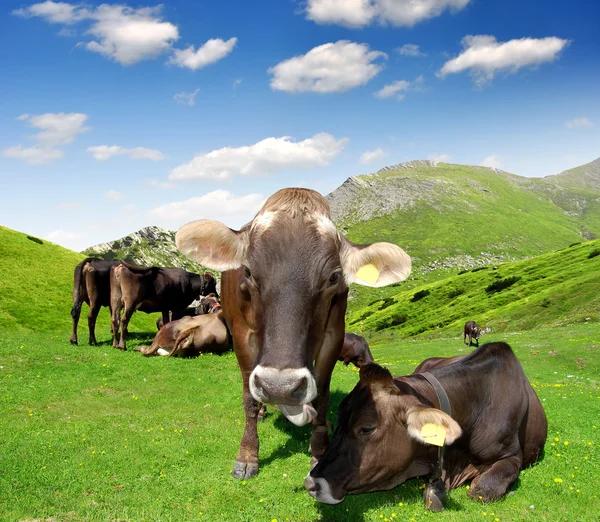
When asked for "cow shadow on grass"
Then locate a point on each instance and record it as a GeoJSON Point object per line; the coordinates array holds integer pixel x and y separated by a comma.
{"type": "Point", "coordinates": [133, 339]}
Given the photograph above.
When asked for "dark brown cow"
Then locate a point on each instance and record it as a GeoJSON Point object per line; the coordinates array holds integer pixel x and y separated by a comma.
{"type": "Point", "coordinates": [284, 298]}
{"type": "Point", "coordinates": [152, 289]}
{"type": "Point", "coordinates": [471, 331]}
{"type": "Point", "coordinates": [190, 336]}
{"type": "Point", "coordinates": [91, 285]}
{"type": "Point", "coordinates": [498, 427]}
{"type": "Point", "coordinates": [355, 350]}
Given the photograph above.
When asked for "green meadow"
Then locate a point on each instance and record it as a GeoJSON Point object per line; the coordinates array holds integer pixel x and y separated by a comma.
{"type": "Point", "coordinates": [91, 433]}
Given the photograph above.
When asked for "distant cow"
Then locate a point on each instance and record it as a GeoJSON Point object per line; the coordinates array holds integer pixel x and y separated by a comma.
{"type": "Point", "coordinates": [151, 289]}
{"type": "Point", "coordinates": [208, 304]}
{"type": "Point", "coordinates": [471, 331]}
{"type": "Point", "coordinates": [387, 427]}
{"type": "Point", "coordinates": [284, 295]}
{"type": "Point", "coordinates": [355, 350]}
{"type": "Point", "coordinates": [190, 336]}
{"type": "Point", "coordinates": [91, 285]}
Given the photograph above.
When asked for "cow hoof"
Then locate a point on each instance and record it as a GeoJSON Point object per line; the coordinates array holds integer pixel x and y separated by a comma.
{"type": "Point", "coordinates": [122, 348]}
{"type": "Point", "coordinates": [93, 343]}
{"type": "Point", "coordinates": [244, 470]}
{"type": "Point", "coordinates": [434, 496]}
{"type": "Point", "coordinates": [73, 342]}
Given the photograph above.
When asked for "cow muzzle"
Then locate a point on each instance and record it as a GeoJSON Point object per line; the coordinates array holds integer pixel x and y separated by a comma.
{"type": "Point", "coordinates": [290, 387]}
{"type": "Point", "coordinates": [319, 489]}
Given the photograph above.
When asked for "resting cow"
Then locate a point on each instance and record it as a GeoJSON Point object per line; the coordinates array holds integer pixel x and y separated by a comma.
{"type": "Point", "coordinates": [355, 350]}
{"type": "Point", "coordinates": [152, 289]}
{"type": "Point", "coordinates": [498, 427]}
{"type": "Point", "coordinates": [91, 285]}
{"type": "Point", "coordinates": [471, 331]}
{"type": "Point", "coordinates": [190, 336]}
{"type": "Point", "coordinates": [208, 304]}
{"type": "Point", "coordinates": [284, 296]}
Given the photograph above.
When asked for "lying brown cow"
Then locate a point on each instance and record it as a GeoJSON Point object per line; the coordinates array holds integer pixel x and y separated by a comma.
{"type": "Point", "coordinates": [355, 350]}
{"type": "Point", "coordinates": [284, 296]}
{"type": "Point", "coordinates": [151, 289]}
{"type": "Point", "coordinates": [208, 304]}
{"type": "Point", "coordinates": [471, 331]}
{"type": "Point", "coordinates": [189, 337]}
{"type": "Point", "coordinates": [91, 285]}
{"type": "Point", "coordinates": [498, 427]}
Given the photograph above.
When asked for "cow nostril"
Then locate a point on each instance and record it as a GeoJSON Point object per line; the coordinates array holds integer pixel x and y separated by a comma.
{"type": "Point", "coordinates": [259, 385]}
{"type": "Point", "coordinates": [299, 390]}
{"type": "Point", "coordinates": [311, 485]}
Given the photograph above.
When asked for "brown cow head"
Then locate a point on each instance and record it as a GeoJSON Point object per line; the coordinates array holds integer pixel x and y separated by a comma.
{"type": "Point", "coordinates": [377, 444]}
{"type": "Point", "coordinates": [294, 268]}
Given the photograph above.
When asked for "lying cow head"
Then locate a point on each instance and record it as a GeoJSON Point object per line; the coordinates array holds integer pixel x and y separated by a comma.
{"type": "Point", "coordinates": [377, 444]}
{"type": "Point", "coordinates": [294, 268]}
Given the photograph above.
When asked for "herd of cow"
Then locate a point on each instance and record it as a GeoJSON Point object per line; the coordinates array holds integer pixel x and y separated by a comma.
{"type": "Point", "coordinates": [284, 290]}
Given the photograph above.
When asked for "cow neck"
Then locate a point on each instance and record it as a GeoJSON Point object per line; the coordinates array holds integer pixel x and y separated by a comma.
{"type": "Point", "coordinates": [442, 396]}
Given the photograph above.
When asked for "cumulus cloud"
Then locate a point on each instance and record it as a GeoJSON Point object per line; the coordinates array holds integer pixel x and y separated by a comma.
{"type": "Point", "coordinates": [494, 162]}
{"type": "Point", "coordinates": [56, 129]}
{"type": "Point", "coordinates": [410, 50]}
{"type": "Point", "coordinates": [186, 98]}
{"type": "Point", "coordinates": [579, 122]}
{"type": "Point", "coordinates": [441, 158]}
{"type": "Point", "coordinates": [104, 152]}
{"type": "Point", "coordinates": [266, 156]}
{"type": "Point", "coordinates": [125, 34]}
{"type": "Point", "coordinates": [33, 155]}
{"type": "Point", "coordinates": [114, 195]}
{"type": "Point", "coordinates": [484, 56]}
{"type": "Point", "coordinates": [371, 155]}
{"type": "Point", "coordinates": [211, 52]}
{"type": "Point", "coordinates": [358, 13]}
{"type": "Point", "coordinates": [393, 89]}
{"type": "Point", "coordinates": [332, 67]}
{"type": "Point", "coordinates": [220, 204]}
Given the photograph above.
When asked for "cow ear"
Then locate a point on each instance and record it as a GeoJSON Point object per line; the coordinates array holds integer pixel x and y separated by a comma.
{"type": "Point", "coordinates": [432, 426]}
{"type": "Point", "coordinates": [378, 379]}
{"type": "Point", "coordinates": [378, 264]}
{"type": "Point", "coordinates": [212, 244]}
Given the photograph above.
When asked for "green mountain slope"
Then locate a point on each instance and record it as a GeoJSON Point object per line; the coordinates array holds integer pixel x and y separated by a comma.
{"type": "Point", "coordinates": [36, 288]}
{"type": "Point", "coordinates": [548, 290]}
{"type": "Point", "coordinates": [455, 217]}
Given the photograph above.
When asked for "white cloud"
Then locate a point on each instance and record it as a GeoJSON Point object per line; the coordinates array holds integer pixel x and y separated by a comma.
{"type": "Point", "coordinates": [186, 98]}
{"type": "Point", "coordinates": [114, 195]}
{"type": "Point", "coordinates": [332, 67]}
{"type": "Point", "coordinates": [358, 13]}
{"type": "Point", "coordinates": [441, 158]}
{"type": "Point", "coordinates": [372, 155]}
{"type": "Point", "coordinates": [212, 51]}
{"type": "Point", "coordinates": [494, 162]}
{"type": "Point", "coordinates": [161, 184]}
{"type": "Point", "coordinates": [484, 56]}
{"type": "Point", "coordinates": [266, 156]}
{"type": "Point", "coordinates": [33, 155]}
{"type": "Point", "coordinates": [410, 50]}
{"type": "Point", "coordinates": [64, 238]}
{"type": "Point", "coordinates": [104, 152]}
{"type": "Point", "coordinates": [393, 89]}
{"type": "Point", "coordinates": [579, 122]}
{"type": "Point", "coordinates": [57, 128]}
{"type": "Point", "coordinates": [220, 204]}
{"type": "Point", "coordinates": [54, 12]}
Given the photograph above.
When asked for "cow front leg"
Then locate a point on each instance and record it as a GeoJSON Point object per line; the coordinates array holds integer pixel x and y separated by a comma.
{"type": "Point", "coordinates": [127, 313]}
{"type": "Point", "coordinates": [493, 484]}
{"type": "Point", "coordinates": [246, 462]}
{"type": "Point", "coordinates": [76, 313]}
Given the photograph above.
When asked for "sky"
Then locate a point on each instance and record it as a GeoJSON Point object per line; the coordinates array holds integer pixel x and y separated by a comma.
{"type": "Point", "coordinates": [116, 116]}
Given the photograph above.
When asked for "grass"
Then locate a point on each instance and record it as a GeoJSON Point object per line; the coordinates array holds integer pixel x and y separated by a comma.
{"type": "Point", "coordinates": [548, 290]}
{"type": "Point", "coordinates": [91, 433]}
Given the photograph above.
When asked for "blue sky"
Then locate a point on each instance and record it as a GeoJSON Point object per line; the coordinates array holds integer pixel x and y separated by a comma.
{"type": "Point", "coordinates": [118, 116]}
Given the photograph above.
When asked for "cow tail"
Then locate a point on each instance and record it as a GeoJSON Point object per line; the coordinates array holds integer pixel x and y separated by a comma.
{"type": "Point", "coordinates": [77, 286]}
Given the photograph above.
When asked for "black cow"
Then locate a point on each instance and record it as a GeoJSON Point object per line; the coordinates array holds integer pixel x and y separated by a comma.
{"type": "Point", "coordinates": [471, 331]}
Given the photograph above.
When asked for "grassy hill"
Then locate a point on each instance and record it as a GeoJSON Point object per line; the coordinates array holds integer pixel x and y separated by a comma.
{"type": "Point", "coordinates": [549, 290]}
{"type": "Point", "coordinates": [36, 288]}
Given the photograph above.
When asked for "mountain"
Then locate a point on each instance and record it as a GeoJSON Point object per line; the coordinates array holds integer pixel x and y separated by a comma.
{"type": "Point", "coordinates": [550, 290]}
{"type": "Point", "coordinates": [150, 246]}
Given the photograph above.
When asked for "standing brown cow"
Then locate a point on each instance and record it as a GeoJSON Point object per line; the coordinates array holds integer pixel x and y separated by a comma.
{"type": "Point", "coordinates": [284, 296]}
{"type": "Point", "coordinates": [91, 285]}
{"type": "Point", "coordinates": [471, 331]}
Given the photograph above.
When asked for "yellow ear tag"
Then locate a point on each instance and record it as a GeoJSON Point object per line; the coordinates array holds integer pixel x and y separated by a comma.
{"type": "Point", "coordinates": [368, 274]}
{"type": "Point", "coordinates": [433, 434]}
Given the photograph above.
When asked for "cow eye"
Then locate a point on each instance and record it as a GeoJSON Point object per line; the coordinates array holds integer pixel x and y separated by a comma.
{"type": "Point", "coordinates": [366, 430]}
{"type": "Point", "coordinates": [247, 272]}
{"type": "Point", "coordinates": [334, 279]}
